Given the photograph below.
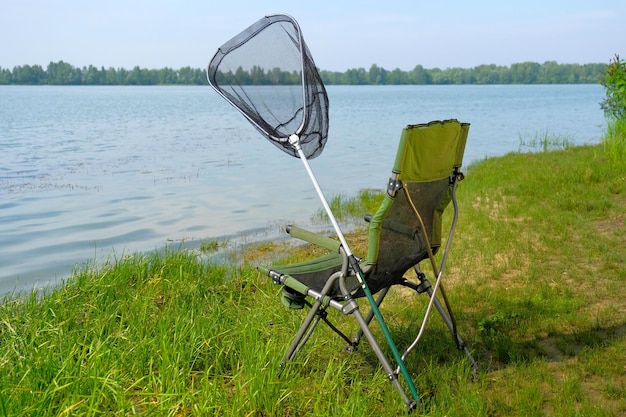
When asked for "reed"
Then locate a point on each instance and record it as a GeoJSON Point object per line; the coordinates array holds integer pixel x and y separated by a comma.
{"type": "Point", "coordinates": [544, 141]}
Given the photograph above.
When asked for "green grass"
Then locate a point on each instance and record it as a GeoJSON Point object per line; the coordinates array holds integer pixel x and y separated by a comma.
{"type": "Point", "coordinates": [537, 276]}
{"type": "Point", "coordinates": [351, 208]}
{"type": "Point", "coordinates": [615, 141]}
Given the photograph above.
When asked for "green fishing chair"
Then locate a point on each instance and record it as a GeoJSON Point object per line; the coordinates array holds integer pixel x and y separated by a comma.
{"type": "Point", "coordinates": [406, 230]}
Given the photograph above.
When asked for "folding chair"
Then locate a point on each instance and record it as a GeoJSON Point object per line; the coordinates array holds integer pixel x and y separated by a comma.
{"type": "Point", "coordinates": [406, 230]}
{"type": "Point", "coordinates": [268, 74]}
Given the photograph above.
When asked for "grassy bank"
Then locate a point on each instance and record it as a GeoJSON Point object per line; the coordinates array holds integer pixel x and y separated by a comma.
{"type": "Point", "coordinates": [537, 275]}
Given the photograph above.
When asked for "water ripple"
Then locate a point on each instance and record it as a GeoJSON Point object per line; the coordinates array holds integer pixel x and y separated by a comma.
{"type": "Point", "coordinates": [90, 171]}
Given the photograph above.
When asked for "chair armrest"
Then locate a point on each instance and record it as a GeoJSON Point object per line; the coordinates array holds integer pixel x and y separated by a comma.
{"type": "Point", "coordinates": [314, 238]}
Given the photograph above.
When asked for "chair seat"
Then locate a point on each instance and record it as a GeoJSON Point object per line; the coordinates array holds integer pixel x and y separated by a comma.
{"type": "Point", "coordinates": [313, 272]}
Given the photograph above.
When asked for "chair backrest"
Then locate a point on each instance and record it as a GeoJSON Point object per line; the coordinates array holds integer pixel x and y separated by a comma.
{"type": "Point", "coordinates": [419, 190]}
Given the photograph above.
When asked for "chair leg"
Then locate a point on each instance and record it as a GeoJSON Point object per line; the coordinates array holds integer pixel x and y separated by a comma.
{"type": "Point", "coordinates": [392, 376]}
{"type": "Point", "coordinates": [352, 347]}
{"type": "Point", "coordinates": [303, 334]}
{"type": "Point", "coordinates": [300, 341]}
{"type": "Point", "coordinates": [425, 286]}
{"type": "Point", "coordinates": [350, 307]}
{"type": "Point", "coordinates": [316, 313]}
{"type": "Point", "coordinates": [455, 334]}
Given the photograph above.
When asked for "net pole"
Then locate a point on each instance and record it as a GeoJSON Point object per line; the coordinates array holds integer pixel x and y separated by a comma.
{"type": "Point", "coordinates": [294, 140]}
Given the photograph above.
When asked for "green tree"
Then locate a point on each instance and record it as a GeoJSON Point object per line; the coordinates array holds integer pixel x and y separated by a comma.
{"type": "Point", "coordinates": [93, 76]}
{"type": "Point", "coordinates": [257, 75]}
{"type": "Point", "coordinates": [553, 73]}
{"type": "Point", "coordinates": [614, 81]}
{"type": "Point", "coordinates": [27, 74]}
{"type": "Point", "coordinates": [240, 75]}
{"type": "Point", "coordinates": [377, 75]}
{"type": "Point", "coordinates": [110, 76]}
{"type": "Point", "coordinates": [398, 77]}
{"type": "Point", "coordinates": [419, 75]}
{"type": "Point", "coordinates": [439, 76]}
{"type": "Point", "coordinates": [591, 72]}
{"type": "Point", "coordinates": [5, 76]}
{"type": "Point", "coordinates": [458, 75]}
{"type": "Point", "coordinates": [62, 73]}
{"type": "Point", "coordinates": [525, 73]}
{"type": "Point", "coordinates": [141, 76]}
{"type": "Point", "coordinates": [356, 77]}
{"type": "Point", "coordinates": [191, 76]}
{"type": "Point", "coordinates": [331, 77]}
{"type": "Point", "coordinates": [166, 76]}
{"type": "Point", "coordinates": [491, 74]}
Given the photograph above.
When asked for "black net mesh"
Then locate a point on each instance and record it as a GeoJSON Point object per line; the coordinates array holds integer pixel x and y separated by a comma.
{"type": "Point", "coordinates": [268, 74]}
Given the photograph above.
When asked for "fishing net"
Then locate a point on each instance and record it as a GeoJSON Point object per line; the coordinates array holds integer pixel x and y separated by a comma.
{"type": "Point", "coordinates": [268, 74]}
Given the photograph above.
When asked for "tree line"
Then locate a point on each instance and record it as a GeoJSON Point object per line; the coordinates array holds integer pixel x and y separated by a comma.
{"type": "Point", "coordinates": [550, 72]}
{"type": "Point", "coordinates": [63, 73]}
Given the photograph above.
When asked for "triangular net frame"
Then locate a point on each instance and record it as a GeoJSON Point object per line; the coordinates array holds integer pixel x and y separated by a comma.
{"type": "Point", "coordinates": [268, 74]}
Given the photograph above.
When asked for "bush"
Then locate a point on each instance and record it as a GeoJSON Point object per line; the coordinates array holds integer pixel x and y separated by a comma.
{"type": "Point", "coordinates": [614, 80]}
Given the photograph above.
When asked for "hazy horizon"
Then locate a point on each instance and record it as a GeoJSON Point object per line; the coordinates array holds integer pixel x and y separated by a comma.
{"type": "Point", "coordinates": [341, 35]}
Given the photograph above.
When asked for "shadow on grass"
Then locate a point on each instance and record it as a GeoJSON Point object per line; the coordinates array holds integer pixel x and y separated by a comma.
{"type": "Point", "coordinates": [494, 345]}
{"type": "Point", "coordinates": [497, 349]}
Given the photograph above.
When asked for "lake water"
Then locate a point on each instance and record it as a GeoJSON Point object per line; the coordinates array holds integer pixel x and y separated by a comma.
{"type": "Point", "coordinates": [92, 172]}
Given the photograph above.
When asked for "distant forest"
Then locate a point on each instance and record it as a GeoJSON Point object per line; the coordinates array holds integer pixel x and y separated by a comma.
{"type": "Point", "coordinates": [550, 72]}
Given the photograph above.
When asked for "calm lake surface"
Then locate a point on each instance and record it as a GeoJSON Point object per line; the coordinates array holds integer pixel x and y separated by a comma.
{"type": "Point", "coordinates": [88, 173]}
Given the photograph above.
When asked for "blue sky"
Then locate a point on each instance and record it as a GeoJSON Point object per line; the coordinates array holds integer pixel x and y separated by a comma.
{"type": "Point", "coordinates": [340, 34]}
